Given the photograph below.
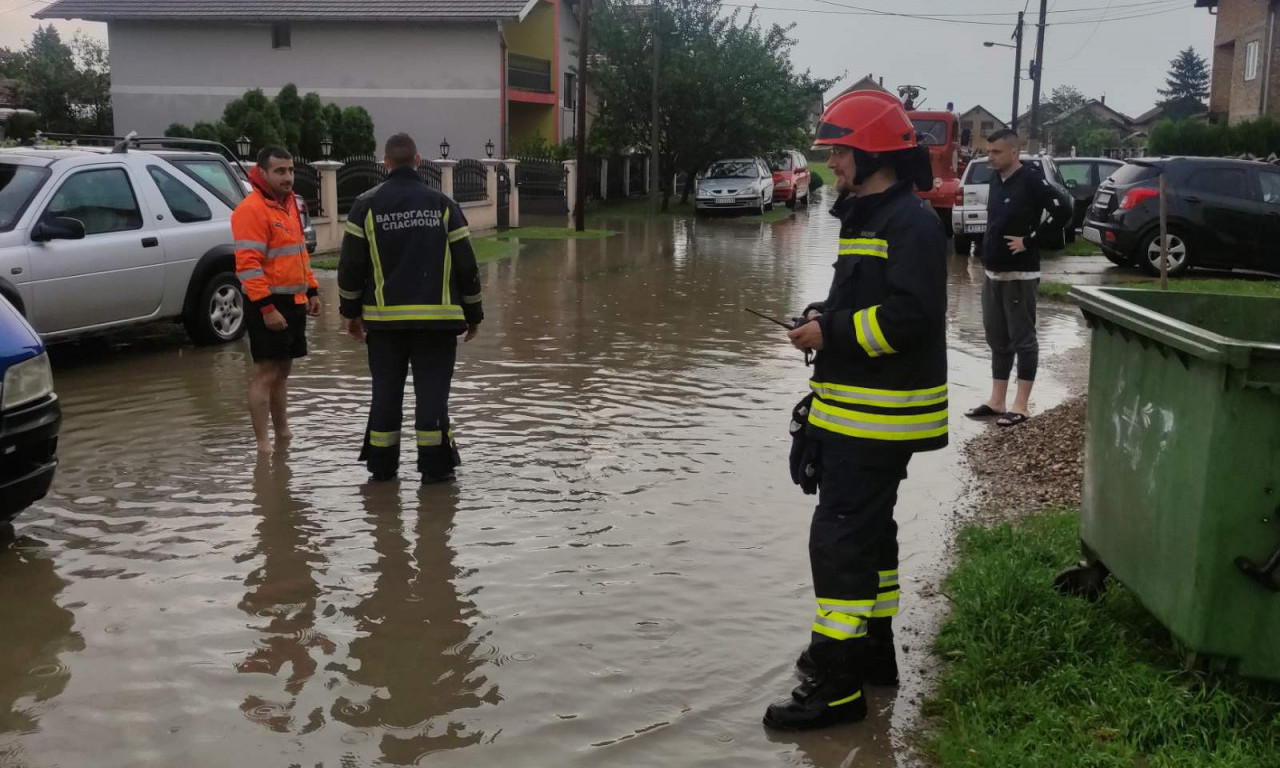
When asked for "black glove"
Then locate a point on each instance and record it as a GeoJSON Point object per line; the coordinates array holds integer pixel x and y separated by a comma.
{"type": "Point", "coordinates": [806, 470]}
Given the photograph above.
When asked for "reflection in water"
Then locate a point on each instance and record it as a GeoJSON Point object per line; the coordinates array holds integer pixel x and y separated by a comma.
{"type": "Point", "coordinates": [415, 663]}
{"type": "Point", "coordinates": [623, 557]}
{"type": "Point", "coordinates": [35, 632]}
{"type": "Point", "coordinates": [281, 600]}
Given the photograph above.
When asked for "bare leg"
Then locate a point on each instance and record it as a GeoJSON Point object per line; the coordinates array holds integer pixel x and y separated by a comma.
{"type": "Point", "coordinates": [1022, 402]}
{"type": "Point", "coordinates": [1000, 394]}
{"type": "Point", "coordinates": [280, 400]}
{"type": "Point", "coordinates": [260, 387]}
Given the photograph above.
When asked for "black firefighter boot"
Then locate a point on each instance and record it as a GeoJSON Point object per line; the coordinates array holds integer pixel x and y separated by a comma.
{"type": "Point", "coordinates": [878, 660]}
{"type": "Point", "coordinates": [831, 695]}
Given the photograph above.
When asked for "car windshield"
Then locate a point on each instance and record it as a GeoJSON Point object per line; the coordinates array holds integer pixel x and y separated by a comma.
{"type": "Point", "coordinates": [733, 170]}
{"type": "Point", "coordinates": [18, 184]}
{"type": "Point", "coordinates": [979, 172]}
{"type": "Point", "coordinates": [933, 132]}
{"type": "Point", "coordinates": [780, 163]}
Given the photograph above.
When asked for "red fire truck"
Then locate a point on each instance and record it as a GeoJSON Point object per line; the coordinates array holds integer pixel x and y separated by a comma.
{"type": "Point", "coordinates": [940, 131]}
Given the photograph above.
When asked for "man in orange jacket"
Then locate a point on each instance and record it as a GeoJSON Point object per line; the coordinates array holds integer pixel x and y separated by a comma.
{"type": "Point", "coordinates": [275, 272]}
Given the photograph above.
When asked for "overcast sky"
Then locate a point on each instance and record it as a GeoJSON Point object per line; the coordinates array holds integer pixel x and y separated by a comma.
{"type": "Point", "coordinates": [1126, 59]}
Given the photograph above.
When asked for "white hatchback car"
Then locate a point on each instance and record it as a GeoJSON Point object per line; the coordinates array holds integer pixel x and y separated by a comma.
{"type": "Point", "coordinates": [96, 238]}
{"type": "Point", "coordinates": [969, 216]}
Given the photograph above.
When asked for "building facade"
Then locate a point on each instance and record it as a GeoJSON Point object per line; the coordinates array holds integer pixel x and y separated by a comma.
{"type": "Point", "coordinates": [976, 125]}
{"type": "Point", "coordinates": [1246, 83]}
{"type": "Point", "coordinates": [468, 71]}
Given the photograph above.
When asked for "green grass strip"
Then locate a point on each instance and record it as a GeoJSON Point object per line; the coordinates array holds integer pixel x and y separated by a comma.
{"type": "Point", "coordinates": [1037, 679]}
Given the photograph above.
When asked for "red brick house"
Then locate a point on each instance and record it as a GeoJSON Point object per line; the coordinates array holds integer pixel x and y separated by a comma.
{"type": "Point", "coordinates": [1246, 70]}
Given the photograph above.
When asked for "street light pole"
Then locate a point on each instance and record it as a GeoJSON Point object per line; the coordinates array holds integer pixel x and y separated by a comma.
{"type": "Point", "coordinates": [580, 193]}
{"type": "Point", "coordinates": [1017, 74]}
{"type": "Point", "coordinates": [1036, 74]}
{"type": "Point", "coordinates": [655, 170]}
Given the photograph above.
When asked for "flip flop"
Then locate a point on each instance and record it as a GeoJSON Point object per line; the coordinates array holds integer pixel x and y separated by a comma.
{"type": "Point", "coordinates": [1011, 419]}
{"type": "Point", "coordinates": [983, 411]}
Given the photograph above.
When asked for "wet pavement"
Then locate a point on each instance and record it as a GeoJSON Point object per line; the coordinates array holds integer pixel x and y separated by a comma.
{"type": "Point", "coordinates": [619, 578]}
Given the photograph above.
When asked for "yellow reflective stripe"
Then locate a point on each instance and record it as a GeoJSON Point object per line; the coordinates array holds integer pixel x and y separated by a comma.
{"type": "Point", "coordinates": [845, 700]}
{"type": "Point", "coordinates": [839, 626]}
{"type": "Point", "coordinates": [427, 439]}
{"type": "Point", "coordinates": [354, 295]}
{"type": "Point", "coordinates": [873, 314]}
{"type": "Point", "coordinates": [354, 230]}
{"type": "Point", "coordinates": [448, 262]}
{"type": "Point", "coordinates": [888, 578]}
{"type": "Point", "coordinates": [878, 426]}
{"type": "Point", "coordinates": [866, 328]}
{"type": "Point", "coordinates": [378, 279]}
{"type": "Point", "coordinates": [471, 299]}
{"type": "Point", "coordinates": [864, 246]}
{"type": "Point", "coordinates": [461, 233]}
{"type": "Point", "coordinates": [852, 607]}
{"type": "Point", "coordinates": [414, 312]}
{"type": "Point", "coordinates": [886, 604]}
{"type": "Point", "coordinates": [383, 439]}
{"type": "Point", "coordinates": [883, 398]}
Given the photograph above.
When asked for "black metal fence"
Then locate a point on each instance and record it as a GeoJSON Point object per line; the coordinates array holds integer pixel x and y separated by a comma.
{"type": "Point", "coordinates": [356, 176]}
{"type": "Point", "coordinates": [542, 183]}
{"type": "Point", "coordinates": [431, 174]}
{"type": "Point", "coordinates": [470, 182]}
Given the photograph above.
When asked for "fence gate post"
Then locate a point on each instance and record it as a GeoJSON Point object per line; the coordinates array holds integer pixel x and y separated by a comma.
{"type": "Point", "coordinates": [329, 203]}
{"type": "Point", "coordinates": [446, 175]}
{"type": "Point", "coordinates": [648, 180]}
{"type": "Point", "coordinates": [513, 194]}
{"type": "Point", "coordinates": [604, 178]}
{"type": "Point", "coordinates": [626, 177]}
{"type": "Point", "coordinates": [571, 167]}
{"type": "Point", "coordinates": [491, 185]}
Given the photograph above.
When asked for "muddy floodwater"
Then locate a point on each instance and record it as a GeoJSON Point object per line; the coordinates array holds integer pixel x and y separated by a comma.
{"type": "Point", "coordinates": [618, 578]}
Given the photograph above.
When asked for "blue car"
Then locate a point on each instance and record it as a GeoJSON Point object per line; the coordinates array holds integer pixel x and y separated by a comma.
{"type": "Point", "coordinates": [29, 415]}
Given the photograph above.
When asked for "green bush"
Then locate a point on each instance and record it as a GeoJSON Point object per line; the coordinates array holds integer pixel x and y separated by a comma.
{"type": "Point", "coordinates": [1259, 137]}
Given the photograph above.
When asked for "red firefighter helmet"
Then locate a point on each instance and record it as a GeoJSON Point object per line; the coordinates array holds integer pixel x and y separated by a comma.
{"type": "Point", "coordinates": [872, 121]}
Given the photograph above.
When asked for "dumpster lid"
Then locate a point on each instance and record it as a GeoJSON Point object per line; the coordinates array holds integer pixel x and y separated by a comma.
{"type": "Point", "coordinates": [1242, 332]}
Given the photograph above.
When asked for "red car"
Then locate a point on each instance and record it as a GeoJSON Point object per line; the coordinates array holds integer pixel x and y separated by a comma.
{"type": "Point", "coordinates": [791, 177]}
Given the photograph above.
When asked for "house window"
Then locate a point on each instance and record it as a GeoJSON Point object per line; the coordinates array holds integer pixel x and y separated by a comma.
{"type": "Point", "coordinates": [988, 127]}
{"type": "Point", "coordinates": [281, 36]}
{"type": "Point", "coordinates": [570, 95]}
{"type": "Point", "coordinates": [1251, 61]}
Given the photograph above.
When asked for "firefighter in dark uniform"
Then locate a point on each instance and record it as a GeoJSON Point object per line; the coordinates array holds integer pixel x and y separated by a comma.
{"type": "Point", "coordinates": [879, 395]}
{"type": "Point", "coordinates": [409, 285]}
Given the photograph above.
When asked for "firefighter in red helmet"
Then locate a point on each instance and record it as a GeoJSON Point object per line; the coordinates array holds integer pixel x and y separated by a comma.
{"type": "Point", "coordinates": [879, 395]}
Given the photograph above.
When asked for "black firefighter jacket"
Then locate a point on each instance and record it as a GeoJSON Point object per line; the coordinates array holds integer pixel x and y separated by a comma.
{"type": "Point", "coordinates": [407, 261]}
{"type": "Point", "coordinates": [881, 379]}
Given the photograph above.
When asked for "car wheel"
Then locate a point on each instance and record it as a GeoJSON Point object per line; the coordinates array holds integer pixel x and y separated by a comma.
{"type": "Point", "coordinates": [947, 227]}
{"type": "Point", "coordinates": [218, 317]}
{"type": "Point", "coordinates": [1179, 253]}
{"type": "Point", "coordinates": [1070, 234]}
{"type": "Point", "coordinates": [962, 244]}
{"type": "Point", "coordinates": [793, 203]}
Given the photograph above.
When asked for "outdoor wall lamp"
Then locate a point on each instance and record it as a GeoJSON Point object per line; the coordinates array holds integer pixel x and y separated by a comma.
{"type": "Point", "coordinates": [326, 146]}
{"type": "Point", "coordinates": [488, 148]}
{"type": "Point", "coordinates": [444, 149]}
{"type": "Point", "coordinates": [243, 145]}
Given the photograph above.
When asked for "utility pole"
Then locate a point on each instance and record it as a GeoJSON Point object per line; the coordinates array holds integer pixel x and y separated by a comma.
{"type": "Point", "coordinates": [1017, 73]}
{"type": "Point", "coordinates": [580, 194]}
{"type": "Point", "coordinates": [655, 170]}
{"type": "Point", "coordinates": [1036, 74]}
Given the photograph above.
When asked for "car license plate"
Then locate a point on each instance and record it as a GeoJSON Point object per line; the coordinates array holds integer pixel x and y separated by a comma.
{"type": "Point", "coordinates": [724, 201]}
{"type": "Point", "coordinates": [974, 229]}
{"type": "Point", "coordinates": [1092, 235]}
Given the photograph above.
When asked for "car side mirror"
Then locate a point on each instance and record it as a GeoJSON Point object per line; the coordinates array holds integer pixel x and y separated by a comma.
{"type": "Point", "coordinates": [1072, 184]}
{"type": "Point", "coordinates": [58, 228]}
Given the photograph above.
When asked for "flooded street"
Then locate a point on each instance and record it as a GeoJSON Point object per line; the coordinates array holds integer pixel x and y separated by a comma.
{"type": "Point", "coordinates": [619, 577]}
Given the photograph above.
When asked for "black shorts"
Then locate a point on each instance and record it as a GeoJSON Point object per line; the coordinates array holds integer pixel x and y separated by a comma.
{"type": "Point", "coordinates": [289, 344]}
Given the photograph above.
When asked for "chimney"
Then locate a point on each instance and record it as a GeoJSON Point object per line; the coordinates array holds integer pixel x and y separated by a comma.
{"type": "Point", "coordinates": [1104, 99]}
{"type": "Point", "coordinates": [882, 81]}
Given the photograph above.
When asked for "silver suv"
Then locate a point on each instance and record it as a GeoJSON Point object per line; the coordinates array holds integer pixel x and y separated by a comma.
{"type": "Point", "coordinates": [96, 238]}
{"type": "Point", "coordinates": [969, 216]}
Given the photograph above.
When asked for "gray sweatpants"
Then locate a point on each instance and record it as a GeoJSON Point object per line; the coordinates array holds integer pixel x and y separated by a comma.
{"type": "Point", "coordinates": [1009, 316]}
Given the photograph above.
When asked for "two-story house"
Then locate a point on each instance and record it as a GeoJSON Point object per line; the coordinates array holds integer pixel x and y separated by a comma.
{"type": "Point", "coordinates": [1246, 80]}
{"type": "Point", "coordinates": [471, 71]}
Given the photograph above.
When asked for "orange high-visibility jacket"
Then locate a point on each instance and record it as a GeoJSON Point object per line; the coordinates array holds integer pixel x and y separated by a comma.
{"type": "Point", "coordinates": [271, 251]}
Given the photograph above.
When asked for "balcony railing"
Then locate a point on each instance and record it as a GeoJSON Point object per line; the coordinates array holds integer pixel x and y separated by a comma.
{"type": "Point", "coordinates": [528, 73]}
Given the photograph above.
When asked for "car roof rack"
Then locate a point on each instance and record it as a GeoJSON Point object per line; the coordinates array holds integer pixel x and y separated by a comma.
{"type": "Point", "coordinates": [122, 144]}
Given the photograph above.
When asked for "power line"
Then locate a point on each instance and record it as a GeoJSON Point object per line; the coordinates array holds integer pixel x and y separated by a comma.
{"type": "Point", "coordinates": [946, 20]}
{"type": "Point", "coordinates": [1088, 39]}
{"type": "Point", "coordinates": [1005, 14]}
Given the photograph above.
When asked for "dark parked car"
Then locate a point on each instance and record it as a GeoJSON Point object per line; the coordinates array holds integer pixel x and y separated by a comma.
{"type": "Point", "coordinates": [1222, 213]}
{"type": "Point", "coordinates": [1082, 175]}
{"type": "Point", "coordinates": [29, 415]}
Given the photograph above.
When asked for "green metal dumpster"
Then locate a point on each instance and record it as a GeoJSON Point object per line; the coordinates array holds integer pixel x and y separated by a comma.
{"type": "Point", "coordinates": [1182, 466]}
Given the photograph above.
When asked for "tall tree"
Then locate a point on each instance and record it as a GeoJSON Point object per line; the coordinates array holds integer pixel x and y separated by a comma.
{"type": "Point", "coordinates": [727, 84]}
{"type": "Point", "coordinates": [91, 93]}
{"type": "Point", "coordinates": [256, 117]}
{"type": "Point", "coordinates": [1187, 86]}
{"type": "Point", "coordinates": [50, 75]}
{"type": "Point", "coordinates": [289, 105]}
